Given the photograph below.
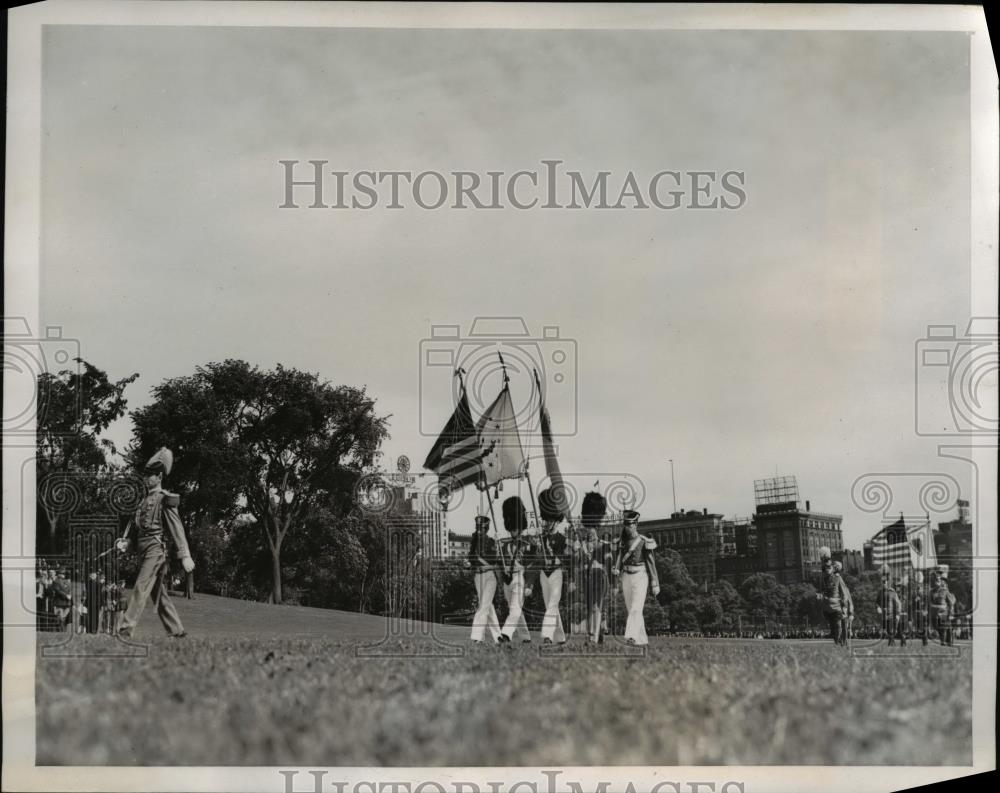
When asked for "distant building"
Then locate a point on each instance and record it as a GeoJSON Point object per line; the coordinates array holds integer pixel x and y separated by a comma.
{"type": "Point", "coordinates": [853, 561]}
{"type": "Point", "coordinates": [868, 550]}
{"type": "Point", "coordinates": [411, 509]}
{"type": "Point", "coordinates": [458, 545]}
{"type": "Point", "coordinates": [699, 537]}
{"type": "Point", "coordinates": [738, 566]}
{"type": "Point", "coordinates": [788, 537]}
{"type": "Point", "coordinates": [953, 538]}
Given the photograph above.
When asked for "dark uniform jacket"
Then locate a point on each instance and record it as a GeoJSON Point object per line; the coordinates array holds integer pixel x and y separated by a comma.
{"type": "Point", "coordinates": [836, 598]}
{"type": "Point", "coordinates": [157, 511]}
{"type": "Point", "coordinates": [517, 553]}
{"type": "Point", "coordinates": [482, 552]}
{"type": "Point", "coordinates": [552, 551]}
{"type": "Point", "coordinates": [891, 607]}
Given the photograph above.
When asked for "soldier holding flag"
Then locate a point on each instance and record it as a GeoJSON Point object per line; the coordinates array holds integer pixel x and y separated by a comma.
{"type": "Point", "coordinates": [552, 561]}
{"type": "Point", "coordinates": [891, 610]}
{"type": "Point", "coordinates": [515, 553]}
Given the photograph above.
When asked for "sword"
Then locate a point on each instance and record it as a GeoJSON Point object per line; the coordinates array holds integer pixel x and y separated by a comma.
{"type": "Point", "coordinates": [114, 545]}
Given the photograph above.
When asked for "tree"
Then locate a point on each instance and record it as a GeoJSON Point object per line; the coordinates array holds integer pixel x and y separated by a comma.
{"type": "Point", "coordinates": [275, 444]}
{"type": "Point", "coordinates": [77, 406]}
{"type": "Point", "coordinates": [710, 612]}
{"type": "Point", "coordinates": [729, 600]}
{"type": "Point", "coordinates": [804, 604]}
{"type": "Point", "coordinates": [765, 597]}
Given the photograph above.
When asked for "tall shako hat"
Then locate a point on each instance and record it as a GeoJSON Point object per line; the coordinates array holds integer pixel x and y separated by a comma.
{"type": "Point", "coordinates": [161, 462]}
{"type": "Point", "coordinates": [825, 555]}
{"type": "Point", "coordinates": [548, 505]}
{"type": "Point", "coordinates": [482, 521]}
{"type": "Point", "coordinates": [593, 509]}
{"type": "Point", "coordinates": [515, 517]}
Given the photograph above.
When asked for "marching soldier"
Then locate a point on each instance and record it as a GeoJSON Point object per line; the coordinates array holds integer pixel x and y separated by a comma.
{"type": "Point", "coordinates": [636, 570]}
{"type": "Point", "coordinates": [890, 609]}
{"type": "Point", "coordinates": [157, 512]}
{"type": "Point", "coordinates": [942, 605]}
{"type": "Point", "coordinates": [847, 617]}
{"type": "Point", "coordinates": [515, 554]}
{"type": "Point", "coordinates": [918, 607]}
{"type": "Point", "coordinates": [482, 559]}
{"type": "Point", "coordinates": [836, 598]}
{"type": "Point", "coordinates": [552, 548]}
{"type": "Point", "coordinates": [598, 554]}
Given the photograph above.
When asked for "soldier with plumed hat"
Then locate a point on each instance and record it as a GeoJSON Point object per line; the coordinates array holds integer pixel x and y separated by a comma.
{"type": "Point", "coordinates": [551, 562]}
{"type": "Point", "coordinates": [835, 596]}
{"type": "Point", "coordinates": [156, 515]}
{"type": "Point", "coordinates": [483, 559]}
{"type": "Point", "coordinates": [636, 570]}
{"type": "Point", "coordinates": [848, 615]}
{"type": "Point", "coordinates": [516, 553]}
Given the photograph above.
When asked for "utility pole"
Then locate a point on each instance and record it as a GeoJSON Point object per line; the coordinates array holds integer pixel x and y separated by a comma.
{"type": "Point", "coordinates": [673, 487]}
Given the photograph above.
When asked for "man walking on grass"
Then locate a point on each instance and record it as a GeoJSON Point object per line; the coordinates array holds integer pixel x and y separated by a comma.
{"type": "Point", "coordinates": [157, 511]}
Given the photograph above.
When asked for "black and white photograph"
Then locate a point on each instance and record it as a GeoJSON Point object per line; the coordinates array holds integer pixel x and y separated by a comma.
{"type": "Point", "coordinates": [467, 398]}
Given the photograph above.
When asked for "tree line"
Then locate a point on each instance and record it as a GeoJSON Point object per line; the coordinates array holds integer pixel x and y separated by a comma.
{"type": "Point", "coordinates": [266, 463]}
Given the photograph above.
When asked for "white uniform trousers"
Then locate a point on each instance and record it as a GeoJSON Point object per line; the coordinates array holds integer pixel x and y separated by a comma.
{"type": "Point", "coordinates": [515, 624]}
{"type": "Point", "coordinates": [552, 627]}
{"type": "Point", "coordinates": [634, 588]}
{"type": "Point", "coordinates": [486, 616]}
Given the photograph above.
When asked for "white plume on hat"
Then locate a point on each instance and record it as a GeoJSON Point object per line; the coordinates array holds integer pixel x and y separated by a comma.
{"type": "Point", "coordinates": [824, 553]}
{"type": "Point", "coordinates": [163, 458]}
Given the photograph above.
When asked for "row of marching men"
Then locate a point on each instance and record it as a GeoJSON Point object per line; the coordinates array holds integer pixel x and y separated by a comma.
{"type": "Point", "coordinates": [922, 608]}
{"type": "Point", "coordinates": [916, 608]}
{"type": "Point", "coordinates": [588, 562]}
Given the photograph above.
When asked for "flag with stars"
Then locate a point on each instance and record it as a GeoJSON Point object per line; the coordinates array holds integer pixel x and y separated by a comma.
{"type": "Point", "coordinates": [499, 441]}
{"type": "Point", "coordinates": [455, 456]}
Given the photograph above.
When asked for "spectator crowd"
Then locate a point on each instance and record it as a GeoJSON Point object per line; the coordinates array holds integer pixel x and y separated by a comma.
{"type": "Point", "coordinates": [77, 601]}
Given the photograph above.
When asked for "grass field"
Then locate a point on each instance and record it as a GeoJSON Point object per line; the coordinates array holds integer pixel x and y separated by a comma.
{"type": "Point", "coordinates": [264, 685]}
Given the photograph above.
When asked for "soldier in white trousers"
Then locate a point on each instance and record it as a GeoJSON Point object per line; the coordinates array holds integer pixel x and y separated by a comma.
{"type": "Point", "coordinates": [516, 551]}
{"type": "Point", "coordinates": [482, 559]}
{"type": "Point", "coordinates": [636, 571]}
{"type": "Point", "coordinates": [551, 561]}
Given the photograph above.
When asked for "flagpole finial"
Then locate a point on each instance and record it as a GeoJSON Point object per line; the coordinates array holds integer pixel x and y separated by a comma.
{"type": "Point", "coordinates": [503, 366]}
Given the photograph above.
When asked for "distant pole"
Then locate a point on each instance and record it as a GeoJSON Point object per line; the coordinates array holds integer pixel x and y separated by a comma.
{"type": "Point", "coordinates": [673, 487]}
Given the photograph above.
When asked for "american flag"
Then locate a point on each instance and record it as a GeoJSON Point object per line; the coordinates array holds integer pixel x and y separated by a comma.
{"type": "Point", "coordinates": [456, 457]}
{"type": "Point", "coordinates": [899, 546]}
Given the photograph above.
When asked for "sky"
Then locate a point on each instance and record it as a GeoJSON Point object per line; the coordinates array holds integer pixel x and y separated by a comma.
{"type": "Point", "coordinates": [780, 338]}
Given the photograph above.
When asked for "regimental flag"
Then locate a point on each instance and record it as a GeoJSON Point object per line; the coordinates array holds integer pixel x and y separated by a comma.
{"type": "Point", "coordinates": [499, 442]}
{"type": "Point", "coordinates": [559, 490]}
{"type": "Point", "coordinates": [898, 546]}
{"type": "Point", "coordinates": [456, 457]}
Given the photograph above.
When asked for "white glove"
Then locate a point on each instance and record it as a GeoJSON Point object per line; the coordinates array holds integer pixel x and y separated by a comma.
{"type": "Point", "coordinates": [878, 609]}
{"type": "Point", "coordinates": [121, 545]}
{"type": "Point", "coordinates": [656, 591]}
{"type": "Point", "coordinates": [188, 564]}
